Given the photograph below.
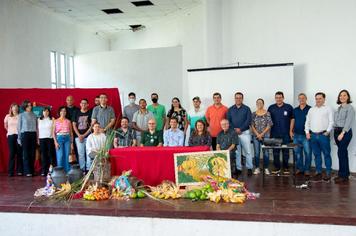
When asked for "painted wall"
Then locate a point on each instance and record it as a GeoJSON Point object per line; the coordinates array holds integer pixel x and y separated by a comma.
{"type": "Point", "coordinates": [142, 71]}
{"type": "Point", "coordinates": [28, 34]}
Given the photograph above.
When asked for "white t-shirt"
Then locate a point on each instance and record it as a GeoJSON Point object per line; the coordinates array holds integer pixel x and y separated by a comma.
{"type": "Point", "coordinates": [95, 142]}
{"type": "Point", "coordinates": [45, 128]}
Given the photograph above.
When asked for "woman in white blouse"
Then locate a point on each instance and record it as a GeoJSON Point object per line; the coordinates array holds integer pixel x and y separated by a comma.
{"type": "Point", "coordinates": [45, 140]}
{"type": "Point", "coordinates": [95, 142]}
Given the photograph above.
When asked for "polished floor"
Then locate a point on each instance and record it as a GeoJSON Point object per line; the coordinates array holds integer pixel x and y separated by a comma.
{"type": "Point", "coordinates": [280, 201]}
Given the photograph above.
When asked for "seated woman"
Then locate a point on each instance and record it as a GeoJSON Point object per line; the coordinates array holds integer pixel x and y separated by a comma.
{"type": "Point", "coordinates": [95, 142]}
{"type": "Point", "coordinates": [151, 137]}
{"type": "Point", "coordinates": [173, 137]}
{"type": "Point", "coordinates": [200, 136]}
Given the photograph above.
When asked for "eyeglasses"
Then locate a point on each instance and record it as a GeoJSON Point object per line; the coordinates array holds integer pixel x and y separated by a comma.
{"type": "Point", "coordinates": [151, 123]}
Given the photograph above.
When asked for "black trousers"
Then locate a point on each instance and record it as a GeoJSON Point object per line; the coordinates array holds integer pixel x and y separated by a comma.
{"type": "Point", "coordinates": [342, 152]}
{"type": "Point", "coordinates": [213, 143]}
{"type": "Point", "coordinates": [15, 155]}
{"type": "Point", "coordinates": [28, 141]}
{"type": "Point", "coordinates": [48, 154]}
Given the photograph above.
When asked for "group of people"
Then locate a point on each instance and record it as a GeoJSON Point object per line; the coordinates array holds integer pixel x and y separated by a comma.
{"type": "Point", "coordinates": [218, 127]}
{"type": "Point", "coordinates": [76, 132]}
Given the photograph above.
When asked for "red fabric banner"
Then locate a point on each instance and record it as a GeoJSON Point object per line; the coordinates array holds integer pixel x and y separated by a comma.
{"type": "Point", "coordinates": [151, 164]}
{"type": "Point", "coordinates": [52, 97]}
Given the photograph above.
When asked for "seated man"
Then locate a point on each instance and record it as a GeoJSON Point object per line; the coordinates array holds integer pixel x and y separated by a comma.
{"type": "Point", "coordinates": [173, 137]}
{"type": "Point", "coordinates": [125, 136]}
{"type": "Point", "coordinates": [151, 137]}
{"type": "Point", "coordinates": [228, 140]}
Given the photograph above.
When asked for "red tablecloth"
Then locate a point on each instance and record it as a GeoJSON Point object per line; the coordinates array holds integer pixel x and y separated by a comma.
{"type": "Point", "coordinates": [151, 164]}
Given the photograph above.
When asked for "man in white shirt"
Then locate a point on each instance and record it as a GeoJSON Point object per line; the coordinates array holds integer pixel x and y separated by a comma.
{"type": "Point", "coordinates": [195, 114]}
{"type": "Point", "coordinates": [173, 137]}
{"type": "Point", "coordinates": [318, 126]}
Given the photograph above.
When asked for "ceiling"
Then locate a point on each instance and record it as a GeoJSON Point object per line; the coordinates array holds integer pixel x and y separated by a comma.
{"type": "Point", "coordinates": [89, 12]}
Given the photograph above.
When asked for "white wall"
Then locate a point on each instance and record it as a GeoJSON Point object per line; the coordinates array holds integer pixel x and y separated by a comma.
{"type": "Point", "coordinates": [142, 71]}
{"type": "Point", "coordinates": [318, 36]}
{"type": "Point", "coordinates": [28, 34]}
{"type": "Point", "coordinates": [186, 29]}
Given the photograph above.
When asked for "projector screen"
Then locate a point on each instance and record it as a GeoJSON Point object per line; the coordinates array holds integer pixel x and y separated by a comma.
{"type": "Point", "coordinates": [261, 81]}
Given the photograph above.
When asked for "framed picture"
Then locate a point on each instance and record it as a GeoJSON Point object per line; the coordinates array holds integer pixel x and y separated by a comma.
{"type": "Point", "coordinates": [191, 167]}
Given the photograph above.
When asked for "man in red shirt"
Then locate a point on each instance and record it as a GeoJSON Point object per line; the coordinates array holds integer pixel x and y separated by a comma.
{"type": "Point", "coordinates": [214, 114]}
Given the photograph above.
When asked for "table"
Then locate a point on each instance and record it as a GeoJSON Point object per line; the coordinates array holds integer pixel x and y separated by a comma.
{"type": "Point", "coordinates": [285, 147]}
{"type": "Point", "coordinates": [151, 164]}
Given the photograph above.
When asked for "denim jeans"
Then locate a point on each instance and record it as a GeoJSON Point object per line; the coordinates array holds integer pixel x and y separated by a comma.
{"type": "Point", "coordinates": [62, 152]}
{"type": "Point", "coordinates": [320, 144]}
{"type": "Point", "coordinates": [257, 148]}
{"type": "Point", "coordinates": [245, 145]}
{"type": "Point", "coordinates": [276, 153]}
{"type": "Point", "coordinates": [303, 163]}
{"type": "Point", "coordinates": [84, 161]}
{"type": "Point", "coordinates": [342, 152]}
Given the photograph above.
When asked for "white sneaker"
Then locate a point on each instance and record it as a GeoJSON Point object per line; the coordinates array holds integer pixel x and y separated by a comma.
{"type": "Point", "coordinates": [267, 171]}
{"type": "Point", "coordinates": [257, 171]}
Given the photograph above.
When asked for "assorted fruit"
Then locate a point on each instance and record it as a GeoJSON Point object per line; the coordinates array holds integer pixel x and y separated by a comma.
{"type": "Point", "coordinates": [166, 190]}
{"type": "Point", "coordinates": [95, 193]}
{"type": "Point", "coordinates": [215, 189]}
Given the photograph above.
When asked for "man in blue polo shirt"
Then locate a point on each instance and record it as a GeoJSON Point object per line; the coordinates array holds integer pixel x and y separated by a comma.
{"type": "Point", "coordinates": [299, 137]}
{"type": "Point", "coordinates": [239, 116]}
{"type": "Point", "coordinates": [282, 115]}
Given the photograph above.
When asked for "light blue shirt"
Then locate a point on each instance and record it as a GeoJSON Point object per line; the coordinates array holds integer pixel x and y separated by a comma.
{"type": "Point", "coordinates": [173, 138]}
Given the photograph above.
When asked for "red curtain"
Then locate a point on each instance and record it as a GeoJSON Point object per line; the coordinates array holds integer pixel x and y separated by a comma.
{"type": "Point", "coordinates": [52, 97]}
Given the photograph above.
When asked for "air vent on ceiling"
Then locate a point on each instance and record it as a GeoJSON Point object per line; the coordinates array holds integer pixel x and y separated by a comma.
{"type": "Point", "coordinates": [112, 11]}
{"type": "Point", "coordinates": [135, 28]}
{"type": "Point", "coordinates": [142, 3]}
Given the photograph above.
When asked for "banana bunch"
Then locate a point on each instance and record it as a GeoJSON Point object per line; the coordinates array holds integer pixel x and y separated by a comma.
{"type": "Point", "coordinates": [165, 190]}
{"type": "Point", "coordinates": [215, 196]}
{"type": "Point", "coordinates": [64, 190]}
{"type": "Point", "coordinates": [227, 195]}
{"type": "Point", "coordinates": [117, 194]}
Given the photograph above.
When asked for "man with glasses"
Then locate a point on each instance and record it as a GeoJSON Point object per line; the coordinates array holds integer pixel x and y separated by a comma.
{"type": "Point", "coordinates": [152, 137]}
{"type": "Point", "coordinates": [103, 114]}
